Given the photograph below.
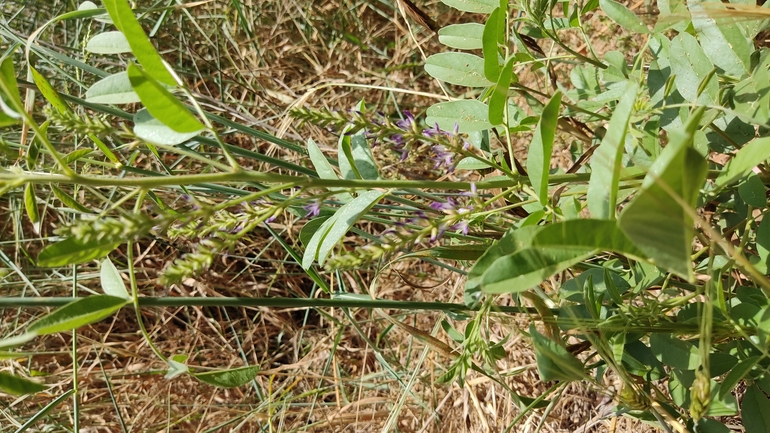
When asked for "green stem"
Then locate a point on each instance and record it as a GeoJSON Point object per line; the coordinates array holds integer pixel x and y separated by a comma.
{"type": "Point", "coordinates": [302, 181]}
{"type": "Point", "coordinates": [137, 303]}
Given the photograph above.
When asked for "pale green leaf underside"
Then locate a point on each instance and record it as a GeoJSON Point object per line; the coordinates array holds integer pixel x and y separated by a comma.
{"type": "Point", "coordinates": [114, 89]}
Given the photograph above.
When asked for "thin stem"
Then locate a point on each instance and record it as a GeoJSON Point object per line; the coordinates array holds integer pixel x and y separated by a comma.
{"type": "Point", "coordinates": [137, 304]}
{"type": "Point", "coordinates": [302, 181]}
{"type": "Point", "coordinates": [75, 399]}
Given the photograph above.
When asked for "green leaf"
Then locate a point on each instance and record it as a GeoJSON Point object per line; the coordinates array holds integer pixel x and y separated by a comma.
{"type": "Point", "coordinates": [470, 163]}
{"type": "Point", "coordinates": [499, 97]}
{"type": "Point", "coordinates": [453, 333]}
{"type": "Point", "coordinates": [755, 411]}
{"type": "Point", "coordinates": [30, 205]}
{"type": "Point", "coordinates": [541, 147]}
{"type": "Point", "coordinates": [17, 340]}
{"type": "Point", "coordinates": [48, 91]}
{"type": "Point", "coordinates": [553, 360]}
{"type": "Point", "coordinates": [152, 130]}
{"type": "Point", "coordinates": [723, 43]}
{"type": "Point", "coordinates": [312, 226]}
{"type": "Point", "coordinates": [513, 240]}
{"type": "Point", "coordinates": [490, 39]}
{"type": "Point", "coordinates": [76, 155]}
{"type": "Point", "coordinates": [145, 53]}
{"type": "Point", "coordinates": [601, 235]}
{"type": "Point", "coordinates": [655, 221]}
{"type": "Point", "coordinates": [513, 267]}
{"type": "Point", "coordinates": [737, 374]}
{"type": "Point", "coordinates": [18, 385]}
{"type": "Point", "coordinates": [623, 16]}
{"type": "Point", "coordinates": [674, 352]}
{"type": "Point", "coordinates": [228, 378]}
{"type": "Point", "coordinates": [176, 366]}
{"type": "Point", "coordinates": [325, 169]}
{"type": "Point", "coordinates": [529, 267]}
{"type": "Point", "coordinates": [690, 65]}
{"type": "Point", "coordinates": [10, 101]}
{"type": "Point", "coordinates": [607, 160]}
{"type": "Point", "coordinates": [355, 157]}
{"type": "Point", "coordinates": [706, 425]}
{"type": "Point", "coordinates": [469, 115]}
{"type": "Point", "coordinates": [72, 251]}
{"type": "Point", "coordinates": [462, 36]}
{"type": "Point", "coordinates": [752, 191]}
{"type": "Point", "coordinates": [477, 6]}
{"type": "Point", "coordinates": [114, 89]}
{"type": "Point", "coordinates": [462, 69]}
{"type": "Point", "coordinates": [333, 229]}
{"type": "Point", "coordinates": [68, 200]}
{"type": "Point", "coordinates": [161, 103]}
{"type": "Point", "coordinates": [8, 77]}
{"type": "Point", "coordinates": [108, 43]}
{"type": "Point", "coordinates": [78, 313]}
{"type": "Point", "coordinates": [112, 283]}
{"type": "Point", "coordinates": [750, 155]}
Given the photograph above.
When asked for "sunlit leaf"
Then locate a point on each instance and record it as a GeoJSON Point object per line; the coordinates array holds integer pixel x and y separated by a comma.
{"type": "Point", "coordinates": [606, 161]}
{"type": "Point", "coordinates": [72, 251]}
{"type": "Point", "coordinates": [161, 103]}
{"type": "Point", "coordinates": [114, 89]}
{"type": "Point", "coordinates": [333, 229]}
{"type": "Point", "coordinates": [478, 6]}
{"type": "Point", "coordinates": [490, 39]}
{"type": "Point", "coordinates": [355, 157]}
{"type": "Point", "coordinates": [78, 313]}
{"type": "Point", "coordinates": [228, 378]}
{"type": "Point", "coordinates": [623, 16]}
{"type": "Point", "coordinates": [469, 115]}
{"type": "Point", "coordinates": [108, 43]}
{"type": "Point", "coordinates": [462, 36]}
{"type": "Point", "coordinates": [541, 147]}
{"type": "Point", "coordinates": [723, 43]}
{"type": "Point", "coordinates": [150, 129]}
{"type": "Point", "coordinates": [462, 69]}
{"type": "Point", "coordinates": [124, 19]}
{"type": "Point", "coordinates": [748, 157]}
{"type": "Point", "coordinates": [48, 91]}
{"type": "Point", "coordinates": [112, 283]}
{"type": "Point", "coordinates": [499, 98]}
{"type": "Point", "coordinates": [656, 220]}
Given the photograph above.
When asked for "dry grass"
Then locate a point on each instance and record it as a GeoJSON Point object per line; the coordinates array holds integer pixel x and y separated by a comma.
{"type": "Point", "coordinates": [320, 371]}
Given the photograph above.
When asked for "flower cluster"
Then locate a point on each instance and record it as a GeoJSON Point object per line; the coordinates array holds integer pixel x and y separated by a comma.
{"type": "Point", "coordinates": [420, 229]}
{"type": "Point", "coordinates": [404, 136]}
{"type": "Point", "coordinates": [98, 126]}
{"type": "Point", "coordinates": [218, 231]}
{"type": "Point", "coordinates": [126, 227]}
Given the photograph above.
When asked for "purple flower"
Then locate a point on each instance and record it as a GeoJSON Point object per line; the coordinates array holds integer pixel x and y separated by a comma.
{"type": "Point", "coordinates": [443, 157]}
{"type": "Point", "coordinates": [433, 131]}
{"type": "Point", "coordinates": [313, 208]}
{"type": "Point", "coordinates": [406, 124]}
{"type": "Point", "coordinates": [472, 193]}
{"type": "Point", "coordinates": [448, 205]}
{"type": "Point", "coordinates": [462, 226]}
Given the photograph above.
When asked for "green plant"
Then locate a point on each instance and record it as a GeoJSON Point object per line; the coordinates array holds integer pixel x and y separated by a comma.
{"type": "Point", "coordinates": [660, 252]}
